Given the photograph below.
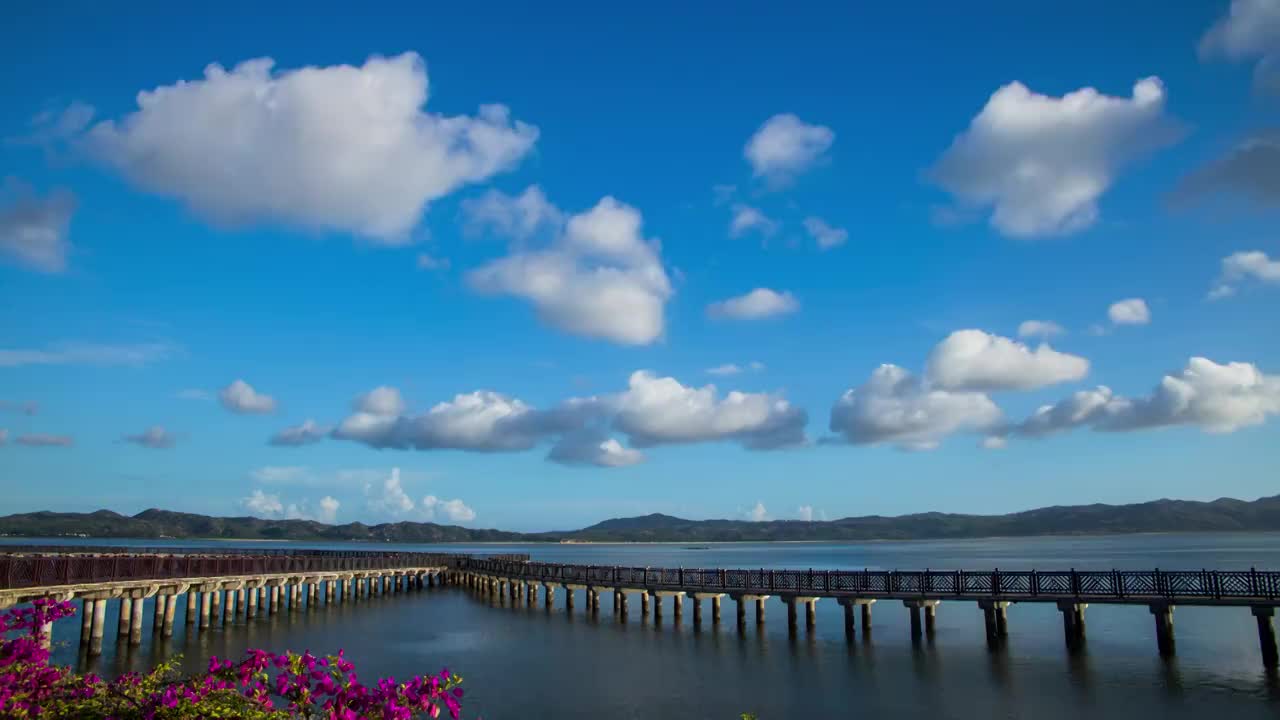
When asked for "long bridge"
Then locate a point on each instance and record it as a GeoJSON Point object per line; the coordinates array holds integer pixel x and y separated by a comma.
{"type": "Point", "coordinates": [224, 585]}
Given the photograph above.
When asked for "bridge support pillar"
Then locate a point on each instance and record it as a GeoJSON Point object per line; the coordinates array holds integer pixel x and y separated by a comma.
{"type": "Point", "coordinates": [1267, 636]}
{"type": "Point", "coordinates": [193, 601]}
{"type": "Point", "coordinates": [157, 613]}
{"type": "Point", "coordinates": [697, 611]}
{"type": "Point", "coordinates": [135, 623]}
{"type": "Point", "coordinates": [251, 604]}
{"type": "Point", "coordinates": [617, 601]}
{"type": "Point", "coordinates": [96, 632]}
{"type": "Point", "coordinates": [622, 603]}
{"type": "Point", "coordinates": [657, 606]}
{"type": "Point", "coordinates": [274, 604]}
{"type": "Point", "coordinates": [677, 605]}
{"type": "Point", "coordinates": [644, 605]}
{"type": "Point", "coordinates": [122, 626]}
{"type": "Point", "coordinates": [329, 592]}
{"type": "Point", "coordinates": [741, 612]}
{"type": "Point", "coordinates": [313, 598]}
{"type": "Point", "coordinates": [760, 609]}
{"type": "Point", "coordinates": [810, 611]}
{"type": "Point", "coordinates": [849, 604]}
{"type": "Point", "coordinates": [206, 601]}
{"type": "Point", "coordinates": [548, 596]}
{"type": "Point", "coordinates": [217, 607]}
{"type": "Point", "coordinates": [170, 604]}
{"type": "Point", "coordinates": [233, 606]}
{"type": "Point", "coordinates": [715, 610]}
{"type": "Point", "coordinates": [995, 620]}
{"type": "Point", "coordinates": [848, 620]}
{"type": "Point", "coordinates": [915, 606]}
{"type": "Point", "coordinates": [568, 599]}
{"type": "Point", "coordinates": [86, 620]}
{"type": "Point", "coordinates": [1163, 613]}
{"type": "Point", "coordinates": [1073, 625]}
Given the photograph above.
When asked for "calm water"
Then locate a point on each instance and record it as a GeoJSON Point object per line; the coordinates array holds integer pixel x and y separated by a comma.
{"type": "Point", "coordinates": [534, 663]}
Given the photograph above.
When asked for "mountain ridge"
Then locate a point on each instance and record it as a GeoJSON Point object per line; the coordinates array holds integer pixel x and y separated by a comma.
{"type": "Point", "coordinates": [1162, 515]}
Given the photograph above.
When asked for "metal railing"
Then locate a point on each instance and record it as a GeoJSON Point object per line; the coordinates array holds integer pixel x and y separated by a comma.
{"type": "Point", "coordinates": [36, 570]}
{"type": "Point", "coordinates": [1031, 584]}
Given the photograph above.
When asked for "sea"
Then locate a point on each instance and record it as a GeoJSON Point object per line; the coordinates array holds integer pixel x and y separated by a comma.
{"type": "Point", "coordinates": [521, 661]}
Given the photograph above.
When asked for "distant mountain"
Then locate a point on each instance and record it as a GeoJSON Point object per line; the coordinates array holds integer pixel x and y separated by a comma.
{"type": "Point", "coordinates": [1224, 514]}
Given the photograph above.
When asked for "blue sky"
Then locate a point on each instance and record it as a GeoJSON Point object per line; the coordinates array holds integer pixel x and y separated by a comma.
{"type": "Point", "coordinates": [897, 186]}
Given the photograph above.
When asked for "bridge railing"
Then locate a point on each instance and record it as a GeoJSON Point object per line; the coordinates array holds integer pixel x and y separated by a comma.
{"type": "Point", "coordinates": [1117, 584]}
{"type": "Point", "coordinates": [23, 570]}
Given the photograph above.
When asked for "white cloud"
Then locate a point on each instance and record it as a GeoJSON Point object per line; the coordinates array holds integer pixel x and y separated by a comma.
{"type": "Point", "coordinates": [33, 230]}
{"type": "Point", "coordinates": [598, 278]}
{"type": "Point", "coordinates": [994, 442]}
{"type": "Point", "coordinates": [388, 497]}
{"type": "Point", "coordinates": [785, 146]}
{"type": "Point", "coordinates": [758, 513]}
{"type": "Point", "coordinates": [805, 513]}
{"type": "Point", "coordinates": [735, 369]}
{"type": "Point", "coordinates": [1241, 266]}
{"type": "Point", "coordinates": [44, 440]}
{"type": "Point", "coordinates": [154, 437]}
{"type": "Point", "coordinates": [1215, 398]}
{"type": "Point", "coordinates": [88, 354]}
{"type": "Point", "coordinates": [382, 400]}
{"type": "Point", "coordinates": [325, 512]}
{"type": "Point", "coordinates": [261, 504]}
{"type": "Point", "coordinates": [895, 407]}
{"type": "Point", "coordinates": [240, 397]}
{"type": "Point", "coordinates": [759, 303]}
{"type": "Point", "coordinates": [1043, 162]}
{"type": "Point", "coordinates": [1132, 311]}
{"type": "Point", "coordinates": [1040, 329]}
{"type": "Point", "coordinates": [826, 236]}
{"type": "Point", "coordinates": [428, 262]}
{"type": "Point", "coordinates": [747, 219]}
{"type": "Point", "coordinates": [589, 447]}
{"type": "Point", "coordinates": [305, 434]}
{"type": "Point", "coordinates": [328, 510]}
{"type": "Point", "coordinates": [452, 510]}
{"type": "Point", "coordinates": [979, 361]}
{"type": "Point", "coordinates": [1250, 29]}
{"type": "Point", "coordinates": [519, 216]}
{"type": "Point", "coordinates": [659, 410]}
{"type": "Point", "coordinates": [339, 148]}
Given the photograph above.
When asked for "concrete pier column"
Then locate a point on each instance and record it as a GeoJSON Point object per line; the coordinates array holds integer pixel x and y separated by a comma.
{"type": "Point", "coordinates": [866, 616]}
{"type": "Point", "coordinates": [677, 605]}
{"type": "Point", "coordinates": [86, 620]}
{"type": "Point", "coordinates": [622, 603]}
{"type": "Point", "coordinates": [657, 606]}
{"type": "Point", "coordinates": [1073, 626]}
{"type": "Point", "coordinates": [233, 605]}
{"type": "Point", "coordinates": [849, 603]}
{"type": "Point", "coordinates": [1267, 636]}
{"type": "Point", "coordinates": [741, 611]}
{"type": "Point", "coordinates": [251, 604]}
{"type": "Point", "coordinates": [193, 599]}
{"type": "Point", "coordinates": [295, 595]}
{"type": "Point", "coordinates": [313, 597]}
{"type": "Point", "coordinates": [913, 607]}
{"type": "Point", "coordinates": [1163, 613]}
{"type": "Point", "coordinates": [811, 613]}
{"type": "Point", "coordinates": [568, 598]}
{"type": "Point", "coordinates": [122, 627]}
{"type": "Point", "coordinates": [715, 610]}
{"type": "Point", "coordinates": [171, 603]}
{"type": "Point", "coordinates": [99, 621]}
{"type": "Point", "coordinates": [848, 619]}
{"type": "Point", "coordinates": [791, 613]}
{"type": "Point", "coordinates": [217, 607]}
{"type": "Point", "coordinates": [157, 619]}
{"type": "Point", "coordinates": [430, 581]}
{"type": "Point", "coordinates": [930, 613]}
{"type": "Point", "coordinates": [328, 591]}
{"type": "Point", "coordinates": [135, 623]}
{"type": "Point", "coordinates": [275, 599]}
{"type": "Point", "coordinates": [206, 602]}
{"type": "Point", "coordinates": [644, 605]}
{"type": "Point", "coordinates": [697, 611]}
{"type": "Point", "coordinates": [548, 596]}
{"type": "Point", "coordinates": [760, 609]}
{"type": "Point", "coordinates": [617, 601]}
{"type": "Point", "coordinates": [46, 635]}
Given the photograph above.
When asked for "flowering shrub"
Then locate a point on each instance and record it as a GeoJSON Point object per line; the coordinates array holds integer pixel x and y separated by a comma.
{"type": "Point", "coordinates": [262, 686]}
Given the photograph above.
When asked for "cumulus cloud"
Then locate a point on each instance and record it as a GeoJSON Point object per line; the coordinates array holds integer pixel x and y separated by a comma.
{"type": "Point", "coordinates": [328, 509]}
{"type": "Point", "coordinates": [1132, 311]}
{"type": "Point", "coordinates": [240, 397]}
{"type": "Point", "coordinates": [735, 369]}
{"type": "Point", "coordinates": [894, 406]}
{"type": "Point", "coordinates": [1040, 329]}
{"type": "Point", "coordinates": [33, 229]}
{"type": "Point", "coordinates": [805, 513]}
{"type": "Point", "coordinates": [759, 303]}
{"type": "Point", "coordinates": [261, 504]}
{"type": "Point", "coordinates": [339, 148]}
{"type": "Point", "coordinates": [426, 261]}
{"type": "Point", "coordinates": [154, 437]}
{"type": "Point", "coordinates": [388, 497]}
{"type": "Point", "coordinates": [659, 410]}
{"type": "Point", "coordinates": [305, 434]}
{"type": "Point", "coordinates": [1240, 267]}
{"type": "Point", "coordinates": [1250, 29]}
{"type": "Point", "coordinates": [1042, 162]}
{"type": "Point", "coordinates": [979, 361]}
{"type": "Point", "coordinates": [599, 277]}
{"type": "Point", "coordinates": [1215, 398]}
{"type": "Point", "coordinates": [749, 219]}
{"type": "Point", "coordinates": [519, 216]}
{"type": "Point", "coordinates": [591, 447]}
{"type": "Point", "coordinates": [44, 440]}
{"type": "Point", "coordinates": [758, 513]}
{"type": "Point", "coordinates": [452, 510]}
{"type": "Point", "coordinates": [785, 146]}
{"type": "Point", "coordinates": [87, 354]}
{"type": "Point", "coordinates": [825, 235]}
{"type": "Point", "coordinates": [1251, 169]}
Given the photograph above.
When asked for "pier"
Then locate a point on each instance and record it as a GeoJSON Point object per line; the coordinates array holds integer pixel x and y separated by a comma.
{"type": "Point", "coordinates": [921, 593]}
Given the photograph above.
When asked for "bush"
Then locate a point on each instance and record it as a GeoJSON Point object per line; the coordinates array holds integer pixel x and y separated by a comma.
{"type": "Point", "coordinates": [262, 686]}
